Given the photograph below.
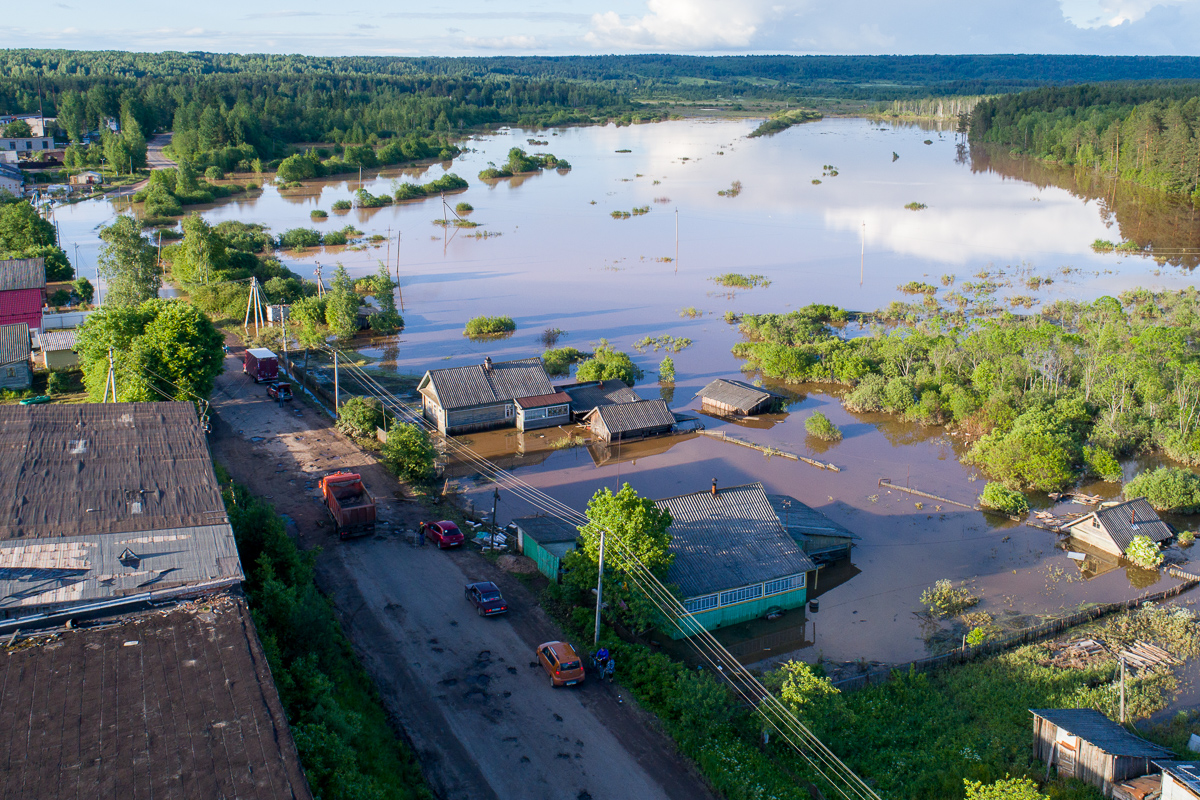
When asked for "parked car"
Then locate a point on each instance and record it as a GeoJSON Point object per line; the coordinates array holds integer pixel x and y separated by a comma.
{"type": "Point", "coordinates": [279, 390]}
{"type": "Point", "coordinates": [444, 534]}
{"type": "Point", "coordinates": [561, 662]}
{"type": "Point", "coordinates": [486, 598]}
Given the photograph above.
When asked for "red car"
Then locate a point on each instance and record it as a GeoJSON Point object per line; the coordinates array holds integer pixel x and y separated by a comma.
{"type": "Point", "coordinates": [444, 534]}
{"type": "Point", "coordinates": [279, 390]}
{"type": "Point", "coordinates": [486, 598]}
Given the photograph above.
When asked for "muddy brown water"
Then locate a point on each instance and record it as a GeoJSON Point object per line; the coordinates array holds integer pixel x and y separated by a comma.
{"type": "Point", "coordinates": [561, 261]}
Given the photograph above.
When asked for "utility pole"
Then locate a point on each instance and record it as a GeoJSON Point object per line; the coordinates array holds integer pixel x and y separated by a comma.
{"type": "Point", "coordinates": [495, 500]}
{"type": "Point", "coordinates": [599, 588]}
{"type": "Point", "coordinates": [110, 382]}
{"type": "Point", "coordinates": [1122, 689]}
{"type": "Point", "coordinates": [398, 288]}
{"type": "Point", "coordinates": [335, 383]}
{"type": "Point", "coordinates": [254, 302]}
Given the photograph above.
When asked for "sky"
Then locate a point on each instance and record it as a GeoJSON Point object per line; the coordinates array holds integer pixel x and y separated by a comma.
{"type": "Point", "coordinates": [584, 27]}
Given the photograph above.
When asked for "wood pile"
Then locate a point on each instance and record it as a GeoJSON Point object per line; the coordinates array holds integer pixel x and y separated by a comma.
{"type": "Point", "coordinates": [1076, 654]}
{"type": "Point", "coordinates": [1142, 655]}
{"type": "Point", "coordinates": [1080, 498]}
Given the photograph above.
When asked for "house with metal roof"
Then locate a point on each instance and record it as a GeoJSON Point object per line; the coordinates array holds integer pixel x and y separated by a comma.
{"type": "Point", "coordinates": [546, 540]}
{"type": "Point", "coordinates": [482, 396]}
{"type": "Point", "coordinates": [106, 508]}
{"type": "Point", "coordinates": [734, 561]}
{"type": "Point", "coordinates": [15, 371]}
{"type": "Point", "coordinates": [1180, 780]}
{"type": "Point", "coordinates": [737, 398]}
{"type": "Point", "coordinates": [56, 349]}
{"type": "Point", "coordinates": [822, 539]}
{"type": "Point", "coordinates": [1112, 529]}
{"type": "Point", "coordinates": [12, 180]}
{"type": "Point", "coordinates": [543, 411]}
{"type": "Point", "coordinates": [591, 394]}
{"type": "Point", "coordinates": [1084, 744]}
{"type": "Point", "coordinates": [178, 704]}
{"type": "Point", "coordinates": [625, 421]}
{"type": "Point", "coordinates": [22, 291]}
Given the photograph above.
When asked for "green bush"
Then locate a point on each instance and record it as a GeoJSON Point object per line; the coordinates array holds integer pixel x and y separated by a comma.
{"type": "Point", "coordinates": [359, 417]}
{"type": "Point", "coordinates": [464, 208]}
{"type": "Point", "coordinates": [666, 370]}
{"type": "Point", "coordinates": [944, 600]}
{"type": "Point", "coordinates": [609, 364]}
{"type": "Point", "coordinates": [1186, 538]}
{"type": "Point", "coordinates": [298, 238]}
{"type": "Point", "coordinates": [1000, 498]}
{"type": "Point", "coordinates": [489, 326]}
{"type": "Point", "coordinates": [558, 362]}
{"type": "Point", "coordinates": [56, 383]}
{"type": "Point", "coordinates": [1144, 552]}
{"type": "Point", "coordinates": [1039, 451]}
{"type": "Point", "coordinates": [1102, 464]}
{"type": "Point", "coordinates": [409, 453]}
{"type": "Point", "coordinates": [342, 205]}
{"type": "Point", "coordinates": [818, 425]}
{"type": "Point", "coordinates": [214, 173]}
{"type": "Point", "coordinates": [1167, 489]}
{"type": "Point", "coordinates": [318, 213]}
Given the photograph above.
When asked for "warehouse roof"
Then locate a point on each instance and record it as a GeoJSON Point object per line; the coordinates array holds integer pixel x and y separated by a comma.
{"type": "Point", "coordinates": [586, 396]}
{"type": "Point", "coordinates": [1126, 520]}
{"type": "Point", "coordinates": [633, 417]}
{"type": "Point", "coordinates": [55, 340]}
{"type": "Point", "coordinates": [739, 394]}
{"type": "Point", "coordinates": [727, 540]}
{"type": "Point", "coordinates": [1097, 729]}
{"type": "Point", "coordinates": [75, 470]}
{"type": "Point", "coordinates": [547, 530]}
{"type": "Point", "coordinates": [179, 704]}
{"type": "Point", "coordinates": [22, 273]}
{"type": "Point", "coordinates": [14, 343]}
{"type": "Point", "coordinates": [481, 384]}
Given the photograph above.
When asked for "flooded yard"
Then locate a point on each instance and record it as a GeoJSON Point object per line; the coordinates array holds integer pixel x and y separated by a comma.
{"type": "Point", "coordinates": [822, 216]}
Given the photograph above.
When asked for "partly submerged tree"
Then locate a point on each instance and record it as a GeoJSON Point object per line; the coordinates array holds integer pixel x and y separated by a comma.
{"type": "Point", "coordinates": [127, 264]}
{"type": "Point", "coordinates": [387, 320]}
{"type": "Point", "coordinates": [609, 364]}
{"type": "Point", "coordinates": [341, 305]}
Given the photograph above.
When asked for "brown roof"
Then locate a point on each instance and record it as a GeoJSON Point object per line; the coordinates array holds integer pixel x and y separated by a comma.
{"type": "Point", "coordinates": [23, 273]}
{"type": "Point", "coordinates": [544, 400]}
{"type": "Point", "coordinates": [104, 468]}
{"type": "Point", "coordinates": [171, 705]}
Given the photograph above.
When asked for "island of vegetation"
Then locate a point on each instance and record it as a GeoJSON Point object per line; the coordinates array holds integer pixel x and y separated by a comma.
{"type": "Point", "coordinates": [484, 327]}
{"type": "Point", "coordinates": [519, 163]}
{"type": "Point", "coordinates": [784, 120]}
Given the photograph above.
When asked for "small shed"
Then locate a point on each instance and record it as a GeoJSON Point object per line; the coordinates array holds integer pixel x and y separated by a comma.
{"type": "Point", "coordinates": [822, 539]}
{"type": "Point", "coordinates": [87, 178]}
{"type": "Point", "coordinates": [543, 411]}
{"type": "Point", "coordinates": [731, 397]}
{"type": "Point", "coordinates": [546, 540]}
{"type": "Point", "coordinates": [1180, 779]}
{"type": "Point", "coordinates": [625, 421]}
{"type": "Point", "coordinates": [57, 349]}
{"type": "Point", "coordinates": [1112, 529]}
{"type": "Point", "coordinates": [1082, 743]}
{"type": "Point", "coordinates": [589, 395]}
{"type": "Point", "coordinates": [15, 372]}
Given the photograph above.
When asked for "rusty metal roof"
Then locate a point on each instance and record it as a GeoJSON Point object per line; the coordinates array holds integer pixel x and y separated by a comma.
{"type": "Point", "coordinates": [633, 417]}
{"type": "Point", "coordinates": [1097, 729]}
{"type": "Point", "coordinates": [14, 343]}
{"type": "Point", "coordinates": [739, 394]}
{"type": "Point", "coordinates": [473, 385]}
{"type": "Point", "coordinates": [22, 273]}
{"type": "Point", "coordinates": [1126, 520]}
{"type": "Point", "coordinates": [74, 470]}
{"type": "Point", "coordinates": [586, 396]}
{"type": "Point", "coordinates": [729, 540]}
{"type": "Point", "coordinates": [557, 398]}
{"type": "Point", "coordinates": [178, 703]}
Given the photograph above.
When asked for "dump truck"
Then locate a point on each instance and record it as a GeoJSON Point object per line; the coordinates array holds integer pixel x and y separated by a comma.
{"type": "Point", "coordinates": [260, 364]}
{"type": "Point", "coordinates": [350, 505]}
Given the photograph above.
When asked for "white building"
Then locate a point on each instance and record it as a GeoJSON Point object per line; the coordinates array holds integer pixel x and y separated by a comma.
{"type": "Point", "coordinates": [11, 179]}
{"type": "Point", "coordinates": [31, 144]}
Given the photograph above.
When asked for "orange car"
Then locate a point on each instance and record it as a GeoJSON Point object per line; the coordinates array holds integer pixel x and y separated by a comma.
{"type": "Point", "coordinates": [561, 663]}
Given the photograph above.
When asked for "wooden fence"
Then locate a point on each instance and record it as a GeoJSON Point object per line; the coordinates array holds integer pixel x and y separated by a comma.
{"type": "Point", "coordinates": [961, 655]}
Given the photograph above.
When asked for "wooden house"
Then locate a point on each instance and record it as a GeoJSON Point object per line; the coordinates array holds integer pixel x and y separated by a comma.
{"type": "Point", "coordinates": [1180, 779]}
{"type": "Point", "coordinates": [734, 561]}
{"type": "Point", "coordinates": [822, 539]}
{"type": "Point", "coordinates": [625, 421]}
{"type": "Point", "coordinates": [15, 371]}
{"type": "Point", "coordinates": [1084, 744]}
{"type": "Point", "coordinates": [546, 540]}
{"type": "Point", "coordinates": [1112, 529]}
{"type": "Point", "coordinates": [22, 291]}
{"type": "Point", "coordinates": [738, 398]}
{"type": "Point", "coordinates": [57, 349]}
{"type": "Point", "coordinates": [590, 395]}
{"type": "Point", "coordinates": [483, 396]}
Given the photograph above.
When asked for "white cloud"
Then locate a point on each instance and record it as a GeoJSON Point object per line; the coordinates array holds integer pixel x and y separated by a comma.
{"type": "Point", "coordinates": [1109, 13]}
{"type": "Point", "coordinates": [508, 43]}
{"type": "Point", "coordinates": [684, 25]}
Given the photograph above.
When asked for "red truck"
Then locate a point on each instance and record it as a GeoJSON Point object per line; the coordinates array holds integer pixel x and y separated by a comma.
{"type": "Point", "coordinates": [261, 364]}
{"type": "Point", "coordinates": [349, 503]}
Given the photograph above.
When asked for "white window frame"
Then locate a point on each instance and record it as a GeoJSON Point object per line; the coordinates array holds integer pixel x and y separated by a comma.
{"type": "Point", "coordinates": [697, 605]}
{"type": "Point", "coordinates": [743, 594]}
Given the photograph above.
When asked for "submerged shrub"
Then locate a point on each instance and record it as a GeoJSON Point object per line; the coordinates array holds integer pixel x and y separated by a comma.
{"type": "Point", "coordinates": [1144, 552]}
{"type": "Point", "coordinates": [944, 600]}
{"type": "Point", "coordinates": [999, 498]}
{"type": "Point", "coordinates": [819, 426]}
{"type": "Point", "coordinates": [489, 326]}
{"type": "Point", "coordinates": [1167, 489]}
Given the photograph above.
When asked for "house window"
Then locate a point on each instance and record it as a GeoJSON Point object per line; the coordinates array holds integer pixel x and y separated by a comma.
{"type": "Point", "coordinates": [742, 595]}
{"type": "Point", "coordinates": [12, 372]}
{"type": "Point", "coordinates": [784, 584]}
{"type": "Point", "coordinates": [557, 411]}
{"type": "Point", "coordinates": [509, 410]}
{"type": "Point", "coordinates": [535, 413]}
{"type": "Point", "coordinates": [698, 604]}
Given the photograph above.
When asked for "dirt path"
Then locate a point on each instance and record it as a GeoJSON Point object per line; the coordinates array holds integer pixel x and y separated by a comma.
{"type": "Point", "coordinates": [154, 160]}
{"type": "Point", "coordinates": [466, 690]}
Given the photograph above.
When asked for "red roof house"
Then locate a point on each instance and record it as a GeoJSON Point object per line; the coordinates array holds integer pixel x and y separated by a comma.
{"type": "Point", "coordinates": [22, 291]}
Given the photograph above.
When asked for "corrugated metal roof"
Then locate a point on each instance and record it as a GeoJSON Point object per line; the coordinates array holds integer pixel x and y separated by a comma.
{"type": "Point", "coordinates": [463, 387]}
{"type": "Point", "coordinates": [21, 305]}
{"type": "Point", "coordinates": [739, 394]}
{"type": "Point", "coordinates": [22, 273]}
{"type": "Point", "coordinates": [1097, 729]}
{"type": "Point", "coordinates": [586, 396]}
{"type": "Point", "coordinates": [633, 417]}
{"type": "Point", "coordinates": [14, 343]}
{"type": "Point", "coordinates": [802, 520]}
{"type": "Point", "coordinates": [546, 530]}
{"type": "Point", "coordinates": [729, 540]}
{"type": "Point", "coordinates": [75, 470]}
{"type": "Point", "coordinates": [181, 701]}
{"type": "Point", "coordinates": [69, 570]}
{"type": "Point", "coordinates": [557, 398]}
{"type": "Point", "coordinates": [9, 171]}
{"type": "Point", "coordinates": [1126, 520]}
{"type": "Point", "coordinates": [1186, 772]}
{"type": "Point", "coordinates": [56, 340]}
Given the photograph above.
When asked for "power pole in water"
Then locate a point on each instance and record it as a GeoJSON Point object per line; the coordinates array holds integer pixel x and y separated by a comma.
{"type": "Point", "coordinates": [677, 240]}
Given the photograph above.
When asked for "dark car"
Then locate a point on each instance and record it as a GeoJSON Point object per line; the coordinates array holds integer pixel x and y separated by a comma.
{"type": "Point", "coordinates": [486, 598]}
{"type": "Point", "coordinates": [279, 390]}
{"type": "Point", "coordinates": [444, 534]}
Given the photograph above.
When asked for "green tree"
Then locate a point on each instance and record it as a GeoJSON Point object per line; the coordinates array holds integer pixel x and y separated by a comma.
{"type": "Point", "coordinates": [1167, 489]}
{"type": "Point", "coordinates": [800, 685]}
{"type": "Point", "coordinates": [999, 498]}
{"type": "Point", "coordinates": [409, 453]}
{"type": "Point", "coordinates": [18, 129]}
{"type": "Point", "coordinates": [1006, 788]}
{"type": "Point", "coordinates": [383, 288]}
{"type": "Point", "coordinates": [127, 264]}
{"type": "Point", "coordinates": [24, 234]}
{"type": "Point", "coordinates": [341, 307]}
{"type": "Point", "coordinates": [666, 370]}
{"type": "Point", "coordinates": [201, 255]}
{"type": "Point", "coordinates": [308, 315]}
{"type": "Point", "coordinates": [83, 287]}
{"type": "Point", "coordinates": [360, 416]}
{"type": "Point", "coordinates": [609, 364]}
{"type": "Point", "coordinates": [1143, 551]}
{"type": "Point", "coordinates": [820, 426]}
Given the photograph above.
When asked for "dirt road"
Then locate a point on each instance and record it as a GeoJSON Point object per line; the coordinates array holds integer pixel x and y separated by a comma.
{"type": "Point", "coordinates": [154, 151]}
{"type": "Point", "coordinates": [479, 712]}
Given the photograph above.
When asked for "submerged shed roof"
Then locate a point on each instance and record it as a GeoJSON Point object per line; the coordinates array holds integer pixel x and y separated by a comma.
{"type": "Point", "coordinates": [22, 273]}
{"type": "Point", "coordinates": [643, 415]}
{"type": "Point", "coordinates": [739, 394]}
{"type": "Point", "coordinates": [546, 530]}
{"type": "Point", "coordinates": [586, 396]}
{"type": "Point", "coordinates": [803, 520]}
{"type": "Point", "coordinates": [1126, 520]}
{"type": "Point", "coordinates": [476, 385]}
{"type": "Point", "coordinates": [728, 540]}
{"type": "Point", "coordinates": [1097, 729]}
{"type": "Point", "coordinates": [14, 343]}
{"type": "Point", "coordinates": [179, 703]}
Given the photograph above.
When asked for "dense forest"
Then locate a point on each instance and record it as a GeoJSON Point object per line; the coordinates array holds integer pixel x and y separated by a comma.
{"type": "Point", "coordinates": [1148, 133]}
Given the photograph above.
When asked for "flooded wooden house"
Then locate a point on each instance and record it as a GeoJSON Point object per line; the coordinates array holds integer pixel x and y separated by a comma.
{"type": "Point", "coordinates": [734, 561]}
{"type": "Point", "coordinates": [738, 398]}
{"type": "Point", "coordinates": [1111, 529]}
{"type": "Point", "coordinates": [15, 371]}
{"type": "Point", "coordinates": [546, 540]}
{"type": "Point", "coordinates": [1084, 744]}
{"type": "Point", "coordinates": [592, 394]}
{"type": "Point", "coordinates": [822, 539]}
{"type": "Point", "coordinates": [479, 397]}
{"type": "Point", "coordinates": [626, 421]}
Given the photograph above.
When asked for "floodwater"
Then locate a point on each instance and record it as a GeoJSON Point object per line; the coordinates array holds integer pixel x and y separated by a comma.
{"type": "Point", "coordinates": [561, 261]}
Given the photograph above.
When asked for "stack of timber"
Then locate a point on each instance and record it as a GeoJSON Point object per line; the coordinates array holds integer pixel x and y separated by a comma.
{"type": "Point", "coordinates": [1076, 654]}
{"type": "Point", "coordinates": [1142, 655]}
